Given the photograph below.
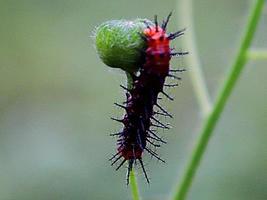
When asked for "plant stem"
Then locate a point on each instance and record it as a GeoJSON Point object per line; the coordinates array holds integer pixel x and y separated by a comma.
{"type": "Point", "coordinates": [133, 182]}
{"type": "Point", "coordinates": [223, 95]}
{"type": "Point", "coordinates": [129, 80]}
{"type": "Point", "coordinates": [134, 186]}
{"type": "Point", "coordinates": [257, 54]}
{"type": "Point", "coordinates": [189, 41]}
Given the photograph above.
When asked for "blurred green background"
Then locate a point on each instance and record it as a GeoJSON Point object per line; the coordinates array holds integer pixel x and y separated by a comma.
{"type": "Point", "coordinates": [57, 97]}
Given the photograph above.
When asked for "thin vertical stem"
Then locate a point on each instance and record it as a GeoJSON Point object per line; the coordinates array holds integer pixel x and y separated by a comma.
{"type": "Point", "coordinates": [195, 71]}
{"type": "Point", "coordinates": [221, 100]}
{"type": "Point", "coordinates": [133, 182]}
{"type": "Point", "coordinates": [134, 186]}
{"type": "Point", "coordinates": [129, 80]}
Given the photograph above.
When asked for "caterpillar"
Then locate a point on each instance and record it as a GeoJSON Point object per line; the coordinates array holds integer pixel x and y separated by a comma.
{"type": "Point", "coordinates": [141, 105]}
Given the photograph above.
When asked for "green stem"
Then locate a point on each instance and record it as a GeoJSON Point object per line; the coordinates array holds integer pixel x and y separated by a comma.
{"type": "Point", "coordinates": [134, 186]}
{"type": "Point", "coordinates": [216, 111]}
{"type": "Point", "coordinates": [129, 80]}
{"type": "Point", "coordinates": [186, 19]}
{"type": "Point", "coordinates": [257, 54]}
{"type": "Point", "coordinates": [133, 182]}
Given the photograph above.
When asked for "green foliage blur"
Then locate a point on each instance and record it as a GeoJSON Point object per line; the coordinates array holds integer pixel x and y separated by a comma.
{"type": "Point", "coordinates": [56, 100]}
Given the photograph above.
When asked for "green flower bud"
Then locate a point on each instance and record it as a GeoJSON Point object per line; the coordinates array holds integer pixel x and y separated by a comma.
{"type": "Point", "coordinates": [119, 43]}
